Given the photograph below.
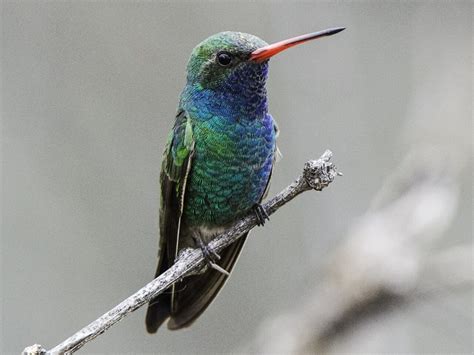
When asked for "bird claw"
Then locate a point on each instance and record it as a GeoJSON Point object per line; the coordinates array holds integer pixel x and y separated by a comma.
{"type": "Point", "coordinates": [218, 268]}
{"type": "Point", "coordinates": [261, 214]}
{"type": "Point", "coordinates": [210, 256]}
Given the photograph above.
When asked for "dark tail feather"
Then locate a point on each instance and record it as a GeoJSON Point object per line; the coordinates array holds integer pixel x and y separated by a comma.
{"type": "Point", "coordinates": [193, 294]}
{"type": "Point", "coordinates": [158, 312]}
{"type": "Point", "coordinates": [200, 290]}
{"type": "Point", "coordinates": [159, 307]}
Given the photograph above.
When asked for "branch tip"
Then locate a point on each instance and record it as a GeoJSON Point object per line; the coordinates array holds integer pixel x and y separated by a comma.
{"type": "Point", "coordinates": [35, 349]}
{"type": "Point", "coordinates": [318, 174]}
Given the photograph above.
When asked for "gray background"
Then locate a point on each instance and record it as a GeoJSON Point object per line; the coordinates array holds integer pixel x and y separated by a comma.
{"type": "Point", "coordinates": [89, 92]}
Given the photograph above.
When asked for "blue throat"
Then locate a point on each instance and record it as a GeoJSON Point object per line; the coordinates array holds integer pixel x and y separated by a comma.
{"type": "Point", "coordinates": [242, 96]}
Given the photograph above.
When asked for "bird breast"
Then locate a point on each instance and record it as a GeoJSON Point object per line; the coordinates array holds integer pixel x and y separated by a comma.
{"type": "Point", "coordinates": [230, 170]}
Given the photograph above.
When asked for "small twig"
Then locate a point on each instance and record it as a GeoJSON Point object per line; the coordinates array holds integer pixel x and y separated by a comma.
{"type": "Point", "coordinates": [317, 174]}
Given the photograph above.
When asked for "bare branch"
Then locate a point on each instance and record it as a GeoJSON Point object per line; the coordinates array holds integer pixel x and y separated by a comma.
{"type": "Point", "coordinates": [317, 174]}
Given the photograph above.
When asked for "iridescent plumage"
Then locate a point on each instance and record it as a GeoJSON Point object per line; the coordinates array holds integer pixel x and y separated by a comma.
{"type": "Point", "coordinates": [216, 166]}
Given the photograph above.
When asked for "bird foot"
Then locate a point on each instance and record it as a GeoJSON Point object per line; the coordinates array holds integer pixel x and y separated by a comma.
{"type": "Point", "coordinates": [261, 214]}
{"type": "Point", "coordinates": [210, 256]}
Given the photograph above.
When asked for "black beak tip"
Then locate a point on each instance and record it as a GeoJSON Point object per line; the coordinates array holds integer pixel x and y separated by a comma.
{"type": "Point", "coordinates": [335, 30]}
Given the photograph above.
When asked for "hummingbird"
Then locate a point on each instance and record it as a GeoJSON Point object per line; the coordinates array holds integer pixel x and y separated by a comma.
{"type": "Point", "coordinates": [216, 166]}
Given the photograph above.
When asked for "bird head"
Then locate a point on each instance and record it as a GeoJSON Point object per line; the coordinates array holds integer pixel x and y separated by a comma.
{"type": "Point", "coordinates": [222, 61]}
{"type": "Point", "coordinates": [233, 60]}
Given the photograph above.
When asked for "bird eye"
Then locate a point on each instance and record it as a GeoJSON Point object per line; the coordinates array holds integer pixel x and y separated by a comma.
{"type": "Point", "coordinates": [224, 58]}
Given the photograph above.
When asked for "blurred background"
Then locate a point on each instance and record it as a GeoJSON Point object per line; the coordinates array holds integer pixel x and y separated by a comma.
{"type": "Point", "coordinates": [380, 262]}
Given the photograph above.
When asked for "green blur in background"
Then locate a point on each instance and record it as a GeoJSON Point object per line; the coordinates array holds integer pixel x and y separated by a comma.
{"type": "Point", "coordinates": [89, 92]}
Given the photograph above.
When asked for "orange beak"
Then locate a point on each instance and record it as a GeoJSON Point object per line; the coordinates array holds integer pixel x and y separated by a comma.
{"type": "Point", "coordinates": [261, 54]}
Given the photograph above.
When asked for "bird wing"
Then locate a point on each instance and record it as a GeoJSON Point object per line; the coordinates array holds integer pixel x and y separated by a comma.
{"type": "Point", "coordinates": [176, 164]}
